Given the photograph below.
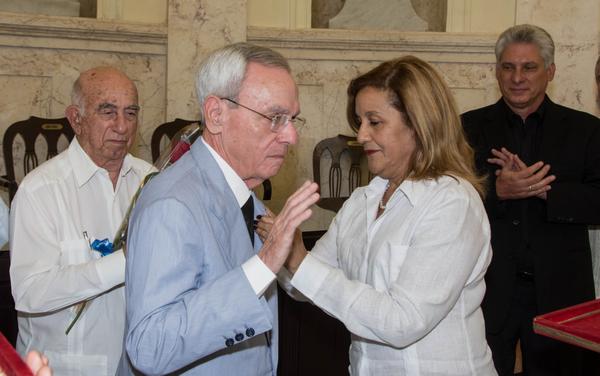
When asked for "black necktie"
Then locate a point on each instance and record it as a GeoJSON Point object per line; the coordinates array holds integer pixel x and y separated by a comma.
{"type": "Point", "coordinates": [248, 212]}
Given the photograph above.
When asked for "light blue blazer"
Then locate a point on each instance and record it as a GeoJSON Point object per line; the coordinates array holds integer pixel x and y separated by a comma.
{"type": "Point", "coordinates": [190, 307]}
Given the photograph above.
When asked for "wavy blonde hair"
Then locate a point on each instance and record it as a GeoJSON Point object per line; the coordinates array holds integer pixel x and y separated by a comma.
{"type": "Point", "coordinates": [418, 91]}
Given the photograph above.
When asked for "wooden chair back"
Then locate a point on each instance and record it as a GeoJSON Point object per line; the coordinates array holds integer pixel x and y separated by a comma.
{"type": "Point", "coordinates": [42, 138]}
{"type": "Point", "coordinates": [339, 167]}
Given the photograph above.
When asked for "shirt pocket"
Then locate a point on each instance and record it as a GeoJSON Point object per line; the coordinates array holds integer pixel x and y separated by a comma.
{"type": "Point", "coordinates": [68, 364]}
{"type": "Point", "coordinates": [387, 263]}
{"type": "Point", "coordinates": [75, 251]}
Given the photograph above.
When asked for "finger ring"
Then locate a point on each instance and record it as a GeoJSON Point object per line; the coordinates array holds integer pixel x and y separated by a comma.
{"type": "Point", "coordinates": [530, 188]}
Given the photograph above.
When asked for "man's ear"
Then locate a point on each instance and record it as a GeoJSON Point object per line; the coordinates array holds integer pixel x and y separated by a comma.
{"type": "Point", "coordinates": [551, 69]}
{"type": "Point", "coordinates": [74, 116]}
{"type": "Point", "coordinates": [213, 114]}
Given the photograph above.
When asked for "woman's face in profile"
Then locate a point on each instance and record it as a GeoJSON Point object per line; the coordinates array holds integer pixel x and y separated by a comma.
{"type": "Point", "coordinates": [387, 141]}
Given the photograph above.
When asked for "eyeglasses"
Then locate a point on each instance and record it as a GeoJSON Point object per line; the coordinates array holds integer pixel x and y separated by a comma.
{"type": "Point", "coordinates": [278, 121]}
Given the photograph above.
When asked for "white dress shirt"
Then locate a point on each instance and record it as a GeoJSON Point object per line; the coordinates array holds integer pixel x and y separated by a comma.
{"type": "Point", "coordinates": [407, 285]}
{"type": "Point", "coordinates": [53, 268]}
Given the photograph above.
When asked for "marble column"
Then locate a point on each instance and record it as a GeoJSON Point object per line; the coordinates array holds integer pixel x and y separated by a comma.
{"type": "Point", "coordinates": [195, 28]}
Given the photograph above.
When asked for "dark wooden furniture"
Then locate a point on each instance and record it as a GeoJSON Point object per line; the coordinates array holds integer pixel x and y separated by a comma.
{"type": "Point", "coordinates": [346, 171]}
{"type": "Point", "coordinates": [311, 342]}
{"type": "Point", "coordinates": [165, 132]}
{"type": "Point", "coordinates": [8, 315]}
{"type": "Point", "coordinates": [32, 131]}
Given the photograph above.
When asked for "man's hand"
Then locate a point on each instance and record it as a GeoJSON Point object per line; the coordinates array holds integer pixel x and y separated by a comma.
{"type": "Point", "coordinates": [38, 363]}
{"type": "Point", "coordinates": [505, 158]}
{"type": "Point", "coordinates": [263, 227]}
{"type": "Point", "coordinates": [278, 242]}
{"type": "Point", "coordinates": [516, 180]}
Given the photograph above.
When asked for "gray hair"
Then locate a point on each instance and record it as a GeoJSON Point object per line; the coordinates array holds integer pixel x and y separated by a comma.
{"type": "Point", "coordinates": [223, 72]}
{"type": "Point", "coordinates": [527, 34]}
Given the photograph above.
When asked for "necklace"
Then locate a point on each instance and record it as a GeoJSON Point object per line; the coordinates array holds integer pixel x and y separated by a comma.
{"type": "Point", "coordinates": [382, 206]}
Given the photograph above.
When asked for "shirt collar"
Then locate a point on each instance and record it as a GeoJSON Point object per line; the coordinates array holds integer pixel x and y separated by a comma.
{"type": "Point", "coordinates": [410, 189]}
{"type": "Point", "coordinates": [514, 119]}
{"type": "Point", "coordinates": [413, 190]}
{"type": "Point", "coordinates": [83, 166]}
{"type": "Point", "coordinates": [236, 184]}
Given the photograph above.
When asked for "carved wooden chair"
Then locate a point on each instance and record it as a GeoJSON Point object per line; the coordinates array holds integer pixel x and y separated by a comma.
{"type": "Point", "coordinates": [35, 132]}
{"type": "Point", "coordinates": [163, 134]}
{"type": "Point", "coordinates": [343, 159]}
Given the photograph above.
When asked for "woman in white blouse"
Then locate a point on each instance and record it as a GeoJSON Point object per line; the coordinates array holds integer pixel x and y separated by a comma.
{"type": "Point", "coordinates": [403, 262]}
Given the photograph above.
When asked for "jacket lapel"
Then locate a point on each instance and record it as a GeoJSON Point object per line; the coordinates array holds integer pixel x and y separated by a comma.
{"type": "Point", "coordinates": [496, 131]}
{"type": "Point", "coordinates": [228, 223]}
{"type": "Point", "coordinates": [554, 133]}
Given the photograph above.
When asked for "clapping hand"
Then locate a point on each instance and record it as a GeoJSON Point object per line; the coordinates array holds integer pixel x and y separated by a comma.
{"type": "Point", "coordinates": [516, 180]}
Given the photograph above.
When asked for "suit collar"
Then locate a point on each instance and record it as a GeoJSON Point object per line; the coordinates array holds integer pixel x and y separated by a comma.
{"type": "Point", "coordinates": [236, 184]}
{"type": "Point", "coordinates": [495, 129]}
{"type": "Point", "coordinates": [496, 124]}
{"type": "Point", "coordinates": [554, 130]}
{"type": "Point", "coordinates": [223, 203]}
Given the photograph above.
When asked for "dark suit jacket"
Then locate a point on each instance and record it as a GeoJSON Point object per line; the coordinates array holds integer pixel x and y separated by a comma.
{"type": "Point", "coordinates": [559, 237]}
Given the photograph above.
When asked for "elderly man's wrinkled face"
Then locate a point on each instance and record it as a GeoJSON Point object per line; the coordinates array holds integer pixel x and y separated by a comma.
{"type": "Point", "coordinates": [254, 151]}
{"type": "Point", "coordinates": [107, 124]}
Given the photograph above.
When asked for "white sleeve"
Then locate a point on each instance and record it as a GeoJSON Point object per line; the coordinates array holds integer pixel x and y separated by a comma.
{"type": "Point", "coordinates": [325, 250]}
{"type": "Point", "coordinates": [259, 275]}
{"type": "Point", "coordinates": [439, 260]}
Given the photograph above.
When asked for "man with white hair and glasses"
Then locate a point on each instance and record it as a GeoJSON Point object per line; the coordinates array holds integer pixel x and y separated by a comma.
{"type": "Point", "coordinates": [200, 292]}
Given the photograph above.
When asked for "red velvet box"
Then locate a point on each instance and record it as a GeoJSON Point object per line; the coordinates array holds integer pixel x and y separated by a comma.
{"type": "Point", "coordinates": [578, 325]}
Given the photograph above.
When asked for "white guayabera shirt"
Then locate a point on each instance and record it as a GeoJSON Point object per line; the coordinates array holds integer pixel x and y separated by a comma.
{"type": "Point", "coordinates": [53, 267]}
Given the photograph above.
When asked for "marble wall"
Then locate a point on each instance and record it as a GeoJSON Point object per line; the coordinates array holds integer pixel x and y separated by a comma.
{"type": "Point", "coordinates": [41, 56]}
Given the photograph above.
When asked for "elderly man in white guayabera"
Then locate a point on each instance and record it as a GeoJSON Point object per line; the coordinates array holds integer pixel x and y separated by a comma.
{"type": "Point", "coordinates": [60, 212]}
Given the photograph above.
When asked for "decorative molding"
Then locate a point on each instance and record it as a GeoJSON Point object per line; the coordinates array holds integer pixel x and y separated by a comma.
{"type": "Point", "coordinates": [351, 45]}
{"type": "Point", "coordinates": [19, 30]}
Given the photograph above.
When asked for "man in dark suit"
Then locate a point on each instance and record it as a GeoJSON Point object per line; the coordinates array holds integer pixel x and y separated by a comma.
{"type": "Point", "coordinates": [542, 162]}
